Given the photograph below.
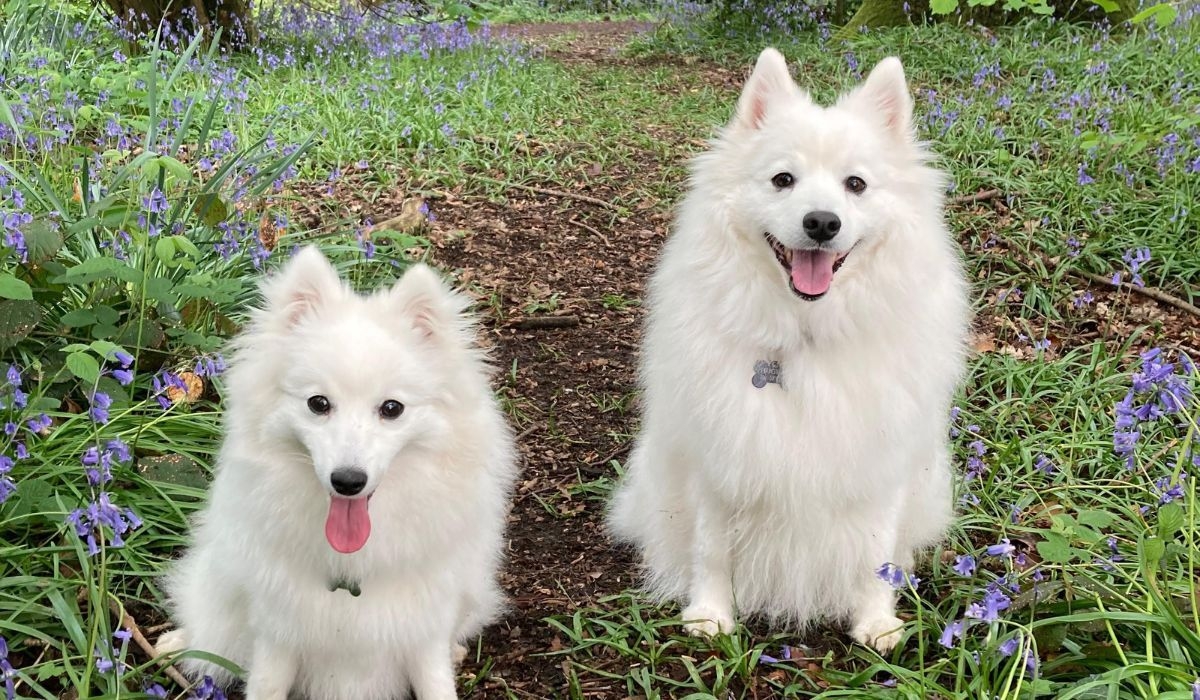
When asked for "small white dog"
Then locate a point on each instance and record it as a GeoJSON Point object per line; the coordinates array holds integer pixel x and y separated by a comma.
{"type": "Point", "coordinates": [354, 528]}
{"type": "Point", "coordinates": [805, 337]}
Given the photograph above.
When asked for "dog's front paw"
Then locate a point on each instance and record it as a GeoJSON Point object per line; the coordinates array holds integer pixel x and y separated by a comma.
{"type": "Point", "coordinates": [171, 642]}
{"type": "Point", "coordinates": [707, 621]}
{"type": "Point", "coordinates": [883, 633]}
{"type": "Point", "coordinates": [458, 653]}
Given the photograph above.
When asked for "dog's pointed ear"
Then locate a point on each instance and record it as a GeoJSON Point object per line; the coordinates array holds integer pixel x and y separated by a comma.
{"type": "Point", "coordinates": [885, 92]}
{"type": "Point", "coordinates": [306, 282]}
{"type": "Point", "coordinates": [769, 81]}
{"type": "Point", "coordinates": [428, 304]}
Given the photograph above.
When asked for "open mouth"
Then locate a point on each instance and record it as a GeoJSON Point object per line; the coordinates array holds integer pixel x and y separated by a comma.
{"type": "Point", "coordinates": [810, 272]}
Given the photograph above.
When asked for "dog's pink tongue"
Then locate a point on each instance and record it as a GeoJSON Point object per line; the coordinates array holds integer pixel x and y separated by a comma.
{"type": "Point", "coordinates": [812, 271]}
{"type": "Point", "coordinates": [348, 525]}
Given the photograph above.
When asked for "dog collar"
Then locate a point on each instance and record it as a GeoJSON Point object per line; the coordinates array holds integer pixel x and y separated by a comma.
{"type": "Point", "coordinates": [766, 372]}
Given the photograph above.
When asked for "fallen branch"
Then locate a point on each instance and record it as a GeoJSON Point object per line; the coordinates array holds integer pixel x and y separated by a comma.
{"type": "Point", "coordinates": [1155, 294]}
{"type": "Point", "coordinates": [542, 322]}
{"type": "Point", "coordinates": [613, 455]}
{"type": "Point", "coordinates": [592, 230]}
{"type": "Point", "coordinates": [981, 196]}
{"type": "Point", "coordinates": [553, 193]}
{"type": "Point", "coordinates": [144, 644]}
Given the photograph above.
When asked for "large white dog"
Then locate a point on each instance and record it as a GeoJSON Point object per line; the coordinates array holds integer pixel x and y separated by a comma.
{"type": "Point", "coordinates": [354, 528]}
{"type": "Point", "coordinates": [805, 338]}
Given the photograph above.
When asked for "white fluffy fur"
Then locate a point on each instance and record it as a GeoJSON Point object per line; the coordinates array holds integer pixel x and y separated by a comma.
{"type": "Point", "coordinates": [784, 501]}
{"type": "Point", "coordinates": [253, 587]}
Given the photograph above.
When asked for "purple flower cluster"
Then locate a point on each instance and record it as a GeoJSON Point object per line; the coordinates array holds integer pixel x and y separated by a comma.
{"type": "Point", "coordinates": [89, 523]}
{"type": "Point", "coordinates": [7, 672]}
{"type": "Point", "coordinates": [16, 400]}
{"type": "Point", "coordinates": [1158, 389]}
{"type": "Point", "coordinates": [990, 606]}
{"type": "Point", "coordinates": [896, 577]}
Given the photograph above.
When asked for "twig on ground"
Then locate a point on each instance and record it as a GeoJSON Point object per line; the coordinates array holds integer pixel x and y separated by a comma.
{"type": "Point", "coordinates": [591, 229]}
{"type": "Point", "coordinates": [981, 196]}
{"type": "Point", "coordinates": [611, 456]}
{"type": "Point", "coordinates": [542, 322]}
{"type": "Point", "coordinates": [1156, 294]}
{"type": "Point", "coordinates": [144, 644]}
{"type": "Point", "coordinates": [553, 193]}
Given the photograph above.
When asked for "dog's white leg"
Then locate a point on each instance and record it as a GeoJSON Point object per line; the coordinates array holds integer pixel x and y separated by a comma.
{"type": "Point", "coordinates": [710, 589]}
{"type": "Point", "coordinates": [874, 614]}
{"type": "Point", "coordinates": [433, 674]}
{"type": "Point", "coordinates": [272, 672]}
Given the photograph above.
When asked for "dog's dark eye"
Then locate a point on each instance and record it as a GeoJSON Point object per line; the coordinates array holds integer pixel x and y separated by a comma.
{"type": "Point", "coordinates": [391, 409]}
{"type": "Point", "coordinates": [856, 184]}
{"type": "Point", "coordinates": [319, 405]}
{"type": "Point", "coordinates": [783, 180]}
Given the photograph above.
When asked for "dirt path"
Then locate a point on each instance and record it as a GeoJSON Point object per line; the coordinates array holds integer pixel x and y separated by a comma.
{"type": "Point", "coordinates": [569, 388]}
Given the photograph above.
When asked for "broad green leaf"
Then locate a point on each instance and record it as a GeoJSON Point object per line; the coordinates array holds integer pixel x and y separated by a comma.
{"type": "Point", "coordinates": [1170, 520]}
{"type": "Point", "coordinates": [1095, 518]}
{"type": "Point", "coordinates": [1150, 552]}
{"type": "Point", "coordinates": [186, 246]}
{"type": "Point", "coordinates": [84, 366]}
{"type": "Point", "coordinates": [164, 249]}
{"type": "Point", "coordinates": [18, 318]}
{"type": "Point", "coordinates": [210, 209]}
{"type": "Point", "coordinates": [43, 240]}
{"type": "Point", "coordinates": [173, 469]}
{"type": "Point", "coordinates": [78, 317]}
{"type": "Point", "coordinates": [1163, 14]}
{"type": "Point", "coordinates": [1055, 548]}
{"type": "Point", "coordinates": [943, 7]}
{"type": "Point", "coordinates": [13, 288]}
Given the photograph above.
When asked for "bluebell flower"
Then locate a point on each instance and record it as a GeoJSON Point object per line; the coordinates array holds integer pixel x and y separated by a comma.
{"type": "Point", "coordinates": [7, 672]}
{"type": "Point", "coordinates": [1009, 646]}
{"type": "Point", "coordinates": [1003, 549]}
{"type": "Point", "coordinates": [895, 577]}
{"type": "Point", "coordinates": [953, 631]}
{"type": "Point", "coordinates": [994, 602]}
{"type": "Point", "coordinates": [964, 564]}
{"type": "Point", "coordinates": [100, 405]}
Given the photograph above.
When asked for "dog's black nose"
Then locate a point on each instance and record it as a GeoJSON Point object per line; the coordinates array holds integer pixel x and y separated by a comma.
{"type": "Point", "coordinates": [821, 226]}
{"type": "Point", "coordinates": [348, 481]}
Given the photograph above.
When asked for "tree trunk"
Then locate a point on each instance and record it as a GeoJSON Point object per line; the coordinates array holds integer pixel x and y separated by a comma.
{"type": "Point", "coordinates": [232, 17]}
{"type": "Point", "coordinates": [873, 14]}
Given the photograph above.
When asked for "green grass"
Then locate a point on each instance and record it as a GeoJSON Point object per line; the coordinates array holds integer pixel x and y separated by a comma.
{"type": "Point", "coordinates": [1101, 626]}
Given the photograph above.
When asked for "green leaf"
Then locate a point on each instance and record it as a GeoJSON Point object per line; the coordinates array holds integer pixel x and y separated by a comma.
{"type": "Point", "coordinates": [186, 246]}
{"type": "Point", "coordinates": [105, 348]}
{"type": "Point", "coordinates": [173, 469]}
{"type": "Point", "coordinates": [107, 315]}
{"type": "Point", "coordinates": [1150, 552]}
{"type": "Point", "coordinates": [13, 288]}
{"type": "Point", "coordinates": [164, 249]}
{"type": "Point", "coordinates": [210, 209]}
{"type": "Point", "coordinates": [1163, 14]}
{"type": "Point", "coordinates": [84, 366]}
{"type": "Point", "coordinates": [1095, 518]}
{"type": "Point", "coordinates": [18, 318]}
{"type": "Point", "coordinates": [177, 169]}
{"type": "Point", "coordinates": [78, 317]}
{"type": "Point", "coordinates": [1107, 5]}
{"type": "Point", "coordinates": [1170, 520]}
{"type": "Point", "coordinates": [99, 268]}
{"type": "Point", "coordinates": [943, 7]}
{"type": "Point", "coordinates": [43, 240]}
{"type": "Point", "coordinates": [1055, 548]}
